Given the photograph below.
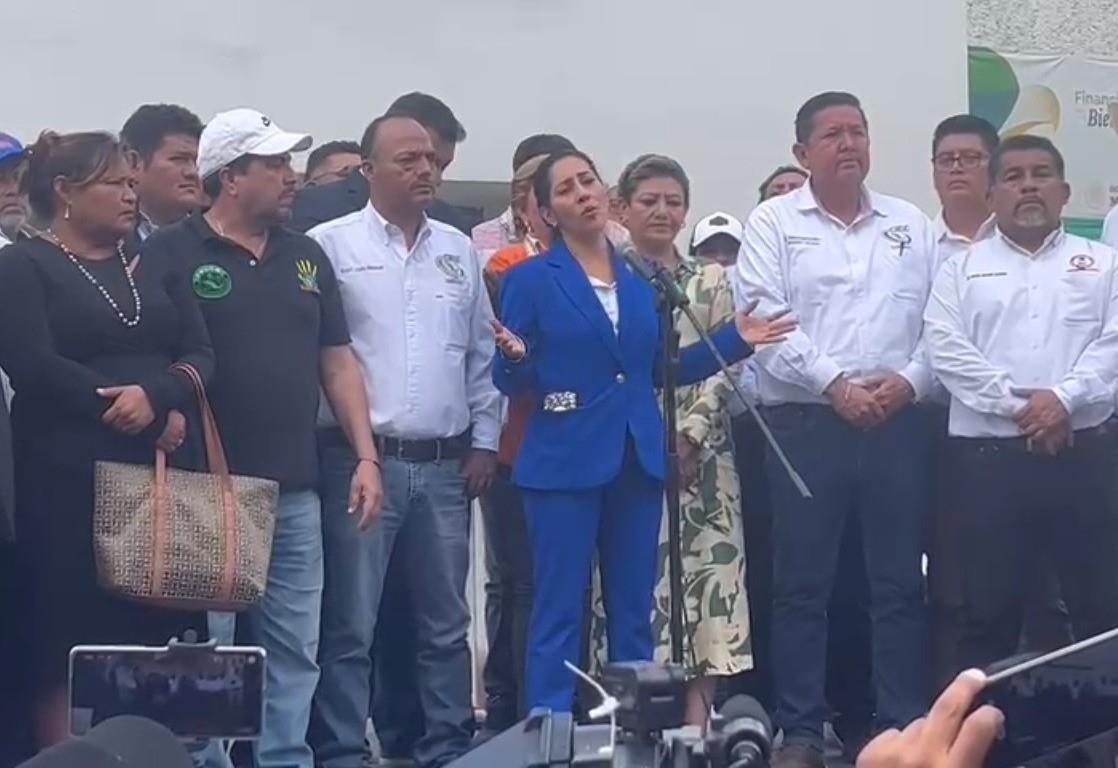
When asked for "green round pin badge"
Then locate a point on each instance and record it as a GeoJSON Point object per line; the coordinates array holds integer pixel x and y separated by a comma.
{"type": "Point", "coordinates": [211, 282]}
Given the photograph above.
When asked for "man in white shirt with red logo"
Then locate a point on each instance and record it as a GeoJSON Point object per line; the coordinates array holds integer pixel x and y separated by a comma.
{"type": "Point", "coordinates": [1023, 332]}
{"type": "Point", "coordinates": [855, 267]}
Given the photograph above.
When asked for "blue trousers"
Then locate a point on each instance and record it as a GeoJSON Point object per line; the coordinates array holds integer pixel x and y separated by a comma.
{"type": "Point", "coordinates": [426, 516]}
{"type": "Point", "coordinates": [285, 622]}
{"type": "Point", "coordinates": [621, 520]}
{"type": "Point", "coordinates": [878, 480]}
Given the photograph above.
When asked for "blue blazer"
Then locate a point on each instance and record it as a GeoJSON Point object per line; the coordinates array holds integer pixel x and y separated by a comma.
{"type": "Point", "coordinates": [548, 301]}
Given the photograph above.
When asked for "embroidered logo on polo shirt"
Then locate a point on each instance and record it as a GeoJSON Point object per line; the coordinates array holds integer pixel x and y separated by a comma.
{"type": "Point", "coordinates": [211, 282]}
{"type": "Point", "coordinates": [899, 237]}
{"type": "Point", "coordinates": [450, 265]}
{"type": "Point", "coordinates": [307, 272]}
{"type": "Point", "coordinates": [1082, 262]}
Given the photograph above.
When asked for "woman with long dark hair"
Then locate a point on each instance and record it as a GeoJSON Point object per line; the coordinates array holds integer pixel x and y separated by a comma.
{"type": "Point", "coordinates": [581, 333]}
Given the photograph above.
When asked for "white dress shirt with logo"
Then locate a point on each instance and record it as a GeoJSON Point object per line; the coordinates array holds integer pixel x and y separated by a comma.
{"type": "Point", "coordinates": [420, 323]}
{"type": "Point", "coordinates": [1001, 319]}
{"type": "Point", "coordinates": [858, 292]}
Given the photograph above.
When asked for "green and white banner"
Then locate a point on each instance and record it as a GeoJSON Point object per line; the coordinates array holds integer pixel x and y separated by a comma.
{"type": "Point", "coordinates": [1072, 100]}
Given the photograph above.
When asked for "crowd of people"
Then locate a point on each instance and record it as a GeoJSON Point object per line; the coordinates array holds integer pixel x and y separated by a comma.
{"type": "Point", "coordinates": [946, 389]}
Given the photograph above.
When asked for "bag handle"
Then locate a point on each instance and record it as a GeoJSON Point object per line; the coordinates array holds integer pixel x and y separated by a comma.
{"type": "Point", "coordinates": [219, 466]}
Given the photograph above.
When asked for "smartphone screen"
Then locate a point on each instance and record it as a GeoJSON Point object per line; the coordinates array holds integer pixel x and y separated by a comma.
{"type": "Point", "coordinates": [1055, 701]}
{"type": "Point", "coordinates": [215, 693]}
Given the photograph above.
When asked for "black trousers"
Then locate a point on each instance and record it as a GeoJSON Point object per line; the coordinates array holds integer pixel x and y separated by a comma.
{"type": "Point", "coordinates": [16, 642]}
{"type": "Point", "coordinates": [508, 601]}
{"type": "Point", "coordinates": [849, 658]}
{"type": "Point", "coordinates": [1017, 510]}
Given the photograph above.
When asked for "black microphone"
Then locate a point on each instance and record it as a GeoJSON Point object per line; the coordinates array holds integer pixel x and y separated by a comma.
{"type": "Point", "coordinates": [660, 278]}
{"type": "Point", "coordinates": [747, 731]}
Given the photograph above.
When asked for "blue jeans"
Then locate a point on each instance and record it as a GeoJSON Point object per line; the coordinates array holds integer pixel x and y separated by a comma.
{"type": "Point", "coordinates": [285, 623]}
{"type": "Point", "coordinates": [877, 479]}
{"type": "Point", "coordinates": [425, 512]}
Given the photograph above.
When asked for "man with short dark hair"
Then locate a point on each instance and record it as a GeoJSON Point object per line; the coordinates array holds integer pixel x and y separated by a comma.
{"type": "Point", "coordinates": [962, 146]}
{"type": "Point", "coordinates": [1022, 329]}
{"type": "Point", "coordinates": [421, 323]}
{"type": "Point", "coordinates": [330, 162]}
{"type": "Point", "coordinates": [854, 267]}
{"type": "Point", "coordinates": [317, 205]}
{"type": "Point", "coordinates": [274, 313]}
{"type": "Point", "coordinates": [163, 141]}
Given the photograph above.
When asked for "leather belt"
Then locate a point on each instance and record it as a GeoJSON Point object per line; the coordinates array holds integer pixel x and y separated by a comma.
{"type": "Point", "coordinates": [422, 451]}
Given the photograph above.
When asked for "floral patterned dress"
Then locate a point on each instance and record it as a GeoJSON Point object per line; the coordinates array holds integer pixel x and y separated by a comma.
{"type": "Point", "coordinates": [716, 609]}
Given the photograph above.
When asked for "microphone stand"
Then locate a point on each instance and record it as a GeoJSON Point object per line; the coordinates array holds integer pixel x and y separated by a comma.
{"type": "Point", "coordinates": [671, 297]}
{"type": "Point", "coordinates": [667, 302]}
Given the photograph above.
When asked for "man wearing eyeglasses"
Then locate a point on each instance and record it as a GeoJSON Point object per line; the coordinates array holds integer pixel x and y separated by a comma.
{"type": "Point", "coordinates": [961, 149]}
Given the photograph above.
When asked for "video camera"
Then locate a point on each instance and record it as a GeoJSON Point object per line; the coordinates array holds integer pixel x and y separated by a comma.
{"type": "Point", "coordinates": [646, 704]}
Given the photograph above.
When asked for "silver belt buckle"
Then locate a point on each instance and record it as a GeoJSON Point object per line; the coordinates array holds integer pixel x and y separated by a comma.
{"type": "Point", "coordinates": [560, 402]}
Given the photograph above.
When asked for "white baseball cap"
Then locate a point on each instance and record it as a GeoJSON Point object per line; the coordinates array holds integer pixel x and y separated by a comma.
{"type": "Point", "coordinates": [717, 223]}
{"type": "Point", "coordinates": [239, 132]}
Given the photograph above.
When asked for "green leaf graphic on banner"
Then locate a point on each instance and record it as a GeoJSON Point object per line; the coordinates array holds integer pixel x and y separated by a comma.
{"type": "Point", "coordinates": [993, 85]}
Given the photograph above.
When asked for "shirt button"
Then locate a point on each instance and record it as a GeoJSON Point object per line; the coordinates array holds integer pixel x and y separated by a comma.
{"type": "Point", "coordinates": [252, 262]}
{"type": "Point", "coordinates": [619, 378]}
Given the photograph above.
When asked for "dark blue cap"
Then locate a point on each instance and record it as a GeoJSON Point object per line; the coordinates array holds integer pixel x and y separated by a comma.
{"type": "Point", "coordinates": [9, 147]}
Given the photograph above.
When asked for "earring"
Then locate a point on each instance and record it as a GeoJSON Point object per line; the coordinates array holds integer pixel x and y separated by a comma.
{"type": "Point", "coordinates": [66, 213]}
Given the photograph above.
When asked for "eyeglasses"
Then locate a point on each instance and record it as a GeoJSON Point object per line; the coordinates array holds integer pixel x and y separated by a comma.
{"type": "Point", "coordinates": [968, 161]}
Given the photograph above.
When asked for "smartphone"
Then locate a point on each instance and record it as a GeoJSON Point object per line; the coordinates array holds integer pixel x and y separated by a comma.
{"type": "Point", "coordinates": [1056, 700]}
{"type": "Point", "coordinates": [195, 692]}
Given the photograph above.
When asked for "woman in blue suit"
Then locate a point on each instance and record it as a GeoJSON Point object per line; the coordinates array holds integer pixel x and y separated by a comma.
{"type": "Point", "coordinates": [581, 333]}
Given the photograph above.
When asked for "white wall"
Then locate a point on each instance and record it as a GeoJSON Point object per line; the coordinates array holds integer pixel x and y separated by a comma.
{"type": "Point", "coordinates": [1084, 27]}
{"type": "Point", "coordinates": [713, 82]}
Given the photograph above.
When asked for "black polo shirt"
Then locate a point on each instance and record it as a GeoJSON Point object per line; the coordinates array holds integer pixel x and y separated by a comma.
{"type": "Point", "coordinates": [269, 320]}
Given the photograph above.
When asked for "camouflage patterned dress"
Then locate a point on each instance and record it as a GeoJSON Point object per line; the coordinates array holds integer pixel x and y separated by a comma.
{"type": "Point", "coordinates": [716, 611]}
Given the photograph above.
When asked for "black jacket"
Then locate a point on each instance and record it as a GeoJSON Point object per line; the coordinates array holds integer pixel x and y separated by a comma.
{"type": "Point", "coordinates": [315, 205]}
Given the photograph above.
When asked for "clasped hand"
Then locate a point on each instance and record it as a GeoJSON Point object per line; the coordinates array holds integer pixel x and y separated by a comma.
{"type": "Point", "coordinates": [130, 412]}
{"type": "Point", "coordinates": [1044, 421]}
{"type": "Point", "coordinates": [867, 405]}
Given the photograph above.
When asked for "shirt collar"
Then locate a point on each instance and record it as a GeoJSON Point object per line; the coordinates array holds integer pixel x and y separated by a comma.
{"type": "Point", "coordinates": [944, 232]}
{"type": "Point", "coordinates": [805, 200]}
{"type": "Point", "coordinates": [1054, 240]}
{"type": "Point", "coordinates": [202, 228]}
{"type": "Point", "coordinates": [385, 231]}
{"type": "Point", "coordinates": [145, 227]}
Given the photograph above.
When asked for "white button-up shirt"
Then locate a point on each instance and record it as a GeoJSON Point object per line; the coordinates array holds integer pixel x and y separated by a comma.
{"type": "Point", "coordinates": [950, 244]}
{"type": "Point", "coordinates": [1110, 228]}
{"type": "Point", "coordinates": [420, 323]}
{"type": "Point", "coordinates": [1000, 318]}
{"type": "Point", "coordinates": [858, 292]}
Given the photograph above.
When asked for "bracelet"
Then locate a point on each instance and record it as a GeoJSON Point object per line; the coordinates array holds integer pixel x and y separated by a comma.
{"type": "Point", "coordinates": [365, 458]}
